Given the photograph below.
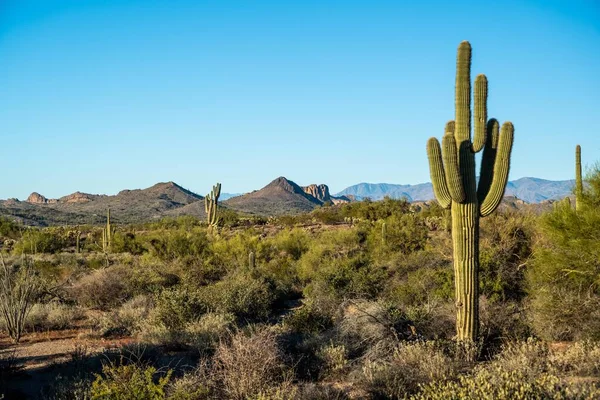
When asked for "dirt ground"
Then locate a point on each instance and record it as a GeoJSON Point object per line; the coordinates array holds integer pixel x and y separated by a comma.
{"type": "Point", "coordinates": [42, 356]}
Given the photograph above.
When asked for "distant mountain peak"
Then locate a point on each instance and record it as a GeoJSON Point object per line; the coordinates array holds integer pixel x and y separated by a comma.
{"type": "Point", "coordinates": [285, 184]}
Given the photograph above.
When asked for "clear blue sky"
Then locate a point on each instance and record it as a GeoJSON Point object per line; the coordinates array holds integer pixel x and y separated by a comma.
{"type": "Point", "coordinates": [104, 95]}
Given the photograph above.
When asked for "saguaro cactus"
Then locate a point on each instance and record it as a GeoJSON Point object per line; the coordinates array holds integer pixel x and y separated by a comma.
{"type": "Point", "coordinates": [251, 260]}
{"type": "Point", "coordinates": [578, 179]}
{"type": "Point", "coordinates": [107, 233]}
{"type": "Point", "coordinates": [452, 168]}
{"type": "Point", "coordinates": [78, 241]}
{"type": "Point", "coordinates": [384, 233]}
{"type": "Point", "coordinates": [211, 204]}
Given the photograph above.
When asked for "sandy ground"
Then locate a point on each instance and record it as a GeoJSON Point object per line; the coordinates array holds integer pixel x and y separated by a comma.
{"type": "Point", "coordinates": [40, 357]}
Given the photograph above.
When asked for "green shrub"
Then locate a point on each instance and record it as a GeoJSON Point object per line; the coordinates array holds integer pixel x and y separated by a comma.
{"type": "Point", "coordinates": [498, 384]}
{"type": "Point", "coordinates": [129, 382]}
{"type": "Point", "coordinates": [128, 319]}
{"type": "Point", "coordinates": [246, 296]}
{"type": "Point", "coordinates": [36, 241]}
{"type": "Point", "coordinates": [173, 244]}
{"type": "Point", "coordinates": [311, 318]}
{"type": "Point", "coordinates": [404, 369]}
{"type": "Point", "coordinates": [563, 276]}
{"type": "Point", "coordinates": [126, 242]}
{"type": "Point", "coordinates": [177, 306]}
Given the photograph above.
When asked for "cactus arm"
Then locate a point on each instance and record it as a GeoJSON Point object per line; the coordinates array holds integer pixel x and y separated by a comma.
{"type": "Point", "coordinates": [480, 113]}
{"type": "Point", "coordinates": [436, 171]}
{"type": "Point", "coordinates": [578, 179]}
{"type": "Point", "coordinates": [501, 169]}
{"type": "Point", "coordinates": [488, 159]}
{"type": "Point", "coordinates": [463, 94]}
{"type": "Point", "coordinates": [453, 177]}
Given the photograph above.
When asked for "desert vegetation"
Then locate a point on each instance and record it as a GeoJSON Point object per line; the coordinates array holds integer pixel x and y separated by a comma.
{"type": "Point", "coordinates": [359, 300]}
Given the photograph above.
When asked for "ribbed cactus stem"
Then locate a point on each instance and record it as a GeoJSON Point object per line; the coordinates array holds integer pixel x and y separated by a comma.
{"type": "Point", "coordinates": [384, 233]}
{"type": "Point", "coordinates": [210, 206]}
{"type": "Point", "coordinates": [77, 242]}
{"type": "Point", "coordinates": [578, 179]}
{"type": "Point", "coordinates": [452, 169]}
{"type": "Point", "coordinates": [251, 260]}
{"type": "Point", "coordinates": [108, 231]}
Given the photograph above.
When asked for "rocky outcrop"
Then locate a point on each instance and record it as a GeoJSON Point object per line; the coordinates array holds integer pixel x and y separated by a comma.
{"type": "Point", "coordinates": [321, 193]}
{"type": "Point", "coordinates": [36, 198]}
{"type": "Point", "coordinates": [77, 197]}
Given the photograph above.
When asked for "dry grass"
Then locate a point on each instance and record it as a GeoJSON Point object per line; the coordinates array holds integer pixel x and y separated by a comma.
{"type": "Point", "coordinates": [248, 365]}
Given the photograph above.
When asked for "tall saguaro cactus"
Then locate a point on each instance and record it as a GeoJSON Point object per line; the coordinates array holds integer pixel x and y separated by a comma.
{"type": "Point", "coordinates": [107, 233]}
{"type": "Point", "coordinates": [578, 179]}
{"type": "Point", "coordinates": [211, 204]}
{"type": "Point", "coordinates": [452, 169]}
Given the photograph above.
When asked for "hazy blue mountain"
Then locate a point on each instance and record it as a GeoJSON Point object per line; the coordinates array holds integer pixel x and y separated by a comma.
{"type": "Point", "coordinates": [226, 196]}
{"type": "Point", "coordinates": [531, 190]}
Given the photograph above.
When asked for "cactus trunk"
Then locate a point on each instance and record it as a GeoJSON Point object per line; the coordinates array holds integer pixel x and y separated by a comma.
{"type": "Point", "coordinates": [452, 168]}
{"type": "Point", "coordinates": [578, 179]}
{"type": "Point", "coordinates": [211, 206]}
{"type": "Point", "coordinates": [465, 240]}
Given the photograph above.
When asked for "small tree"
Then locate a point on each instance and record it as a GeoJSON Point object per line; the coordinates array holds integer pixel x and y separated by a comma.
{"type": "Point", "coordinates": [19, 288]}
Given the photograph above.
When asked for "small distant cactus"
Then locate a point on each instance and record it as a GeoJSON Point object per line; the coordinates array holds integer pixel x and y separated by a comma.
{"type": "Point", "coordinates": [211, 206]}
{"type": "Point", "coordinates": [78, 241]}
{"type": "Point", "coordinates": [251, 260]}
{"type": "Point", "coordinates": [384, 233]}
{"type": "Point", "coordinates": [107, 234]}
{"type": "Point", "coordinates": [452, 168]}
{"type": "Point", "coordinates": [578, 179]}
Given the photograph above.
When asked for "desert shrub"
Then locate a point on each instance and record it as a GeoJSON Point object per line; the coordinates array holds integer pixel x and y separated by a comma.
{"type": "Point", "coordinates": [36, 241]}
{"type": "Point", "coordinates": [52, 316]}
{"type": "Point", "coordinates": [375, 210]}
{"type": "Point", "coordinates": [334, 359]}
{"type": "Point", "coordinates": [206, 333]}
{"type": "Point", "coordinates": [191, 386]}
{"type": "Point", "coordinates": [121, 382]}
{"type": "Point", "coordinates": [20, 287]}
{"type": "Point", "coordinates": [250, 364]}
{"type": "Point", "coordinates": [9, 229]}
{"type": "Point", "coordinates": [232, 253]}
{"type": "Point", "coordinates": [364, 323]}
{"type": "Point", "coordinates": [311, 318]}
{"type": "Point", "coordinates": [563, 277]}
{"type": "Point", "coordinates": [173, 244]}
{"type": "Point", "coordinates": [290, 242]}
{"type": "Point", "coordinates": [328, 215]}
{"type": "Point", "coordinates": [421, 277]}
{"type": "Point", "coordinates": [404, 369]}
{"type": "Point", "coordinates": [175, 307]}
{"type": "Point", "coordinates": [247, 296]}
{"type": "Point", "coordinates": [405, 233]}
{"type": "Point", "coordinates": [102, 289]}
{"type": "Point", "coordinates": [126, 242]}
{"type": "Point", "coordinates": [504, 250]}
{"type": "Point", "coordinates": [524, 370]}
{"type": "Point", "coordinates": [128, 319]}
{"type": "Point", "coordinates": [502, 321]}
{"type": "Point", "coordinates": [580, 358]}
{"type": "Point", "coordinates": [496, 383]}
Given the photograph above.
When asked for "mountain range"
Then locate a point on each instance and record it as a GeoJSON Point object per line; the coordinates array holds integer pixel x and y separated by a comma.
{"type": "Point", "coordinates": [530, 190]}
{"type": "Point", "coordinates": [281, 196]}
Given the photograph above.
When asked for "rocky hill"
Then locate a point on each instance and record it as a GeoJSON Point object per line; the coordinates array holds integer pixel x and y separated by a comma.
{"type": "Point", "coordinates": [82, 208]}
{"type": "Point", "coordinates": [281, 196]}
